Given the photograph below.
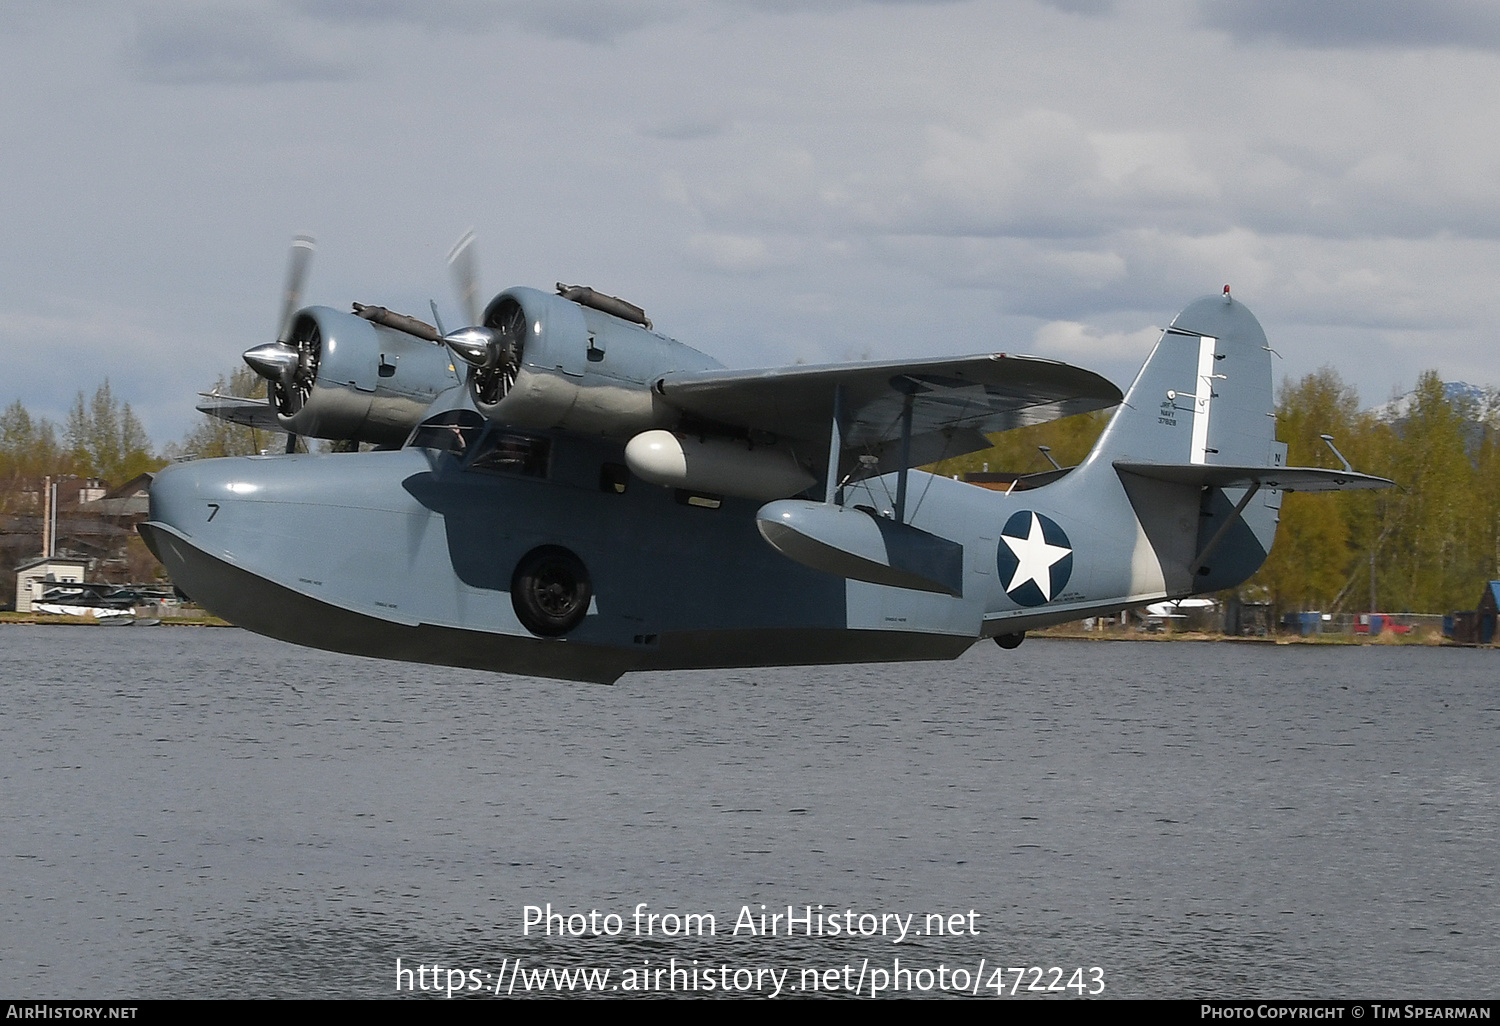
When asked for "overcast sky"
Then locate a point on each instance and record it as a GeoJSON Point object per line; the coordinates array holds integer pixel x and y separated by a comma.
{"type": "Point", "coordinates": [772, 180]}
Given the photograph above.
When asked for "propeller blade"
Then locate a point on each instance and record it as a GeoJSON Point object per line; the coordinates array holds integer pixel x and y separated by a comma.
{"type": "Point", "coordinates": [296, 276]}
{"type": "Point", "coordinates": [466, 276]}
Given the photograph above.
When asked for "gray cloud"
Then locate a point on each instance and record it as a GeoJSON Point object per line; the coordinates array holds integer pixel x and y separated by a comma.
{"type": "Point", "coordinates": [594, 21]}
{"type": "Point", "coordinates": [1358, 23]}
{"type": "Point", "coordinates": [22, 15]}
{"type": "Point", "coordinates": [1088, 8]}
{"type": "Point", "coordinates": [185, 44]}
{"type": "Point", "coordinates": [687, 128]}
{"type": "Point", "coordinates": [826, 6]}
{"type": "Point", "coordinates": [1049, 175]}
{"type": "Point", "coordinates": [589, 21]}
{"type": "Point", "coordinates": [454, 15]}
{"type": "Point", "coordinates": [1041, 175]}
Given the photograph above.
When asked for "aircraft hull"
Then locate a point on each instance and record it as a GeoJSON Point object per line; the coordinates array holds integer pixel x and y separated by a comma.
{"type": "Point", "coordinates": [267, 608]}
{"type": "Point", "coordinates": [422, 562]}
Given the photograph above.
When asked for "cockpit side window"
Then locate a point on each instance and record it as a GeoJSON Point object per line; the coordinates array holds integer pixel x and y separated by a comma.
{"type": "Point", "coordinates": [453, 431]}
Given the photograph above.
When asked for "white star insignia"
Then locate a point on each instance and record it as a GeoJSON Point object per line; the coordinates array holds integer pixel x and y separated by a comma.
{"type": "Point", "coordinates": [1034, 559]}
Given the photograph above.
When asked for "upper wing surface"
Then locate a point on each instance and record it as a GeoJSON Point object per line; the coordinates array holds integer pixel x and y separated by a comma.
{"type": "Point", "coordinates": [954, 401]}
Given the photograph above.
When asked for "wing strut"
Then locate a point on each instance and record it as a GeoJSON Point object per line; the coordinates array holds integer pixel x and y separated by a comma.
{"type": "Point", "coordinates": [905, 459]}
{"type": "Point", "coordinates": [859, 543]}
{"type": "Point", "coordinates": [835, 447]}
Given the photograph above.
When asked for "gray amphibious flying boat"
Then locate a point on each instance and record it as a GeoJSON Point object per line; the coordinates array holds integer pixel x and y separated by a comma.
{"type": "Point", "coordinates": [561, 491]}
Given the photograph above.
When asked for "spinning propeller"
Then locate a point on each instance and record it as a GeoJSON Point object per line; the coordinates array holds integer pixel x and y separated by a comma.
{"type": "Point", "coordinates": [290, 366]}
{"type": "Point", "coordinates": [493, 353]}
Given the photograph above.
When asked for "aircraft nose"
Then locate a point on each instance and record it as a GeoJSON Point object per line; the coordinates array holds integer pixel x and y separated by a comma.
{"type": "Point", "coordinates": [174, 492]}
{"type": "Point", "coordinates": [189, 496]}
{"type": "Point", "coordinates": [173, 496]}
{"type": "Point", "coordinates": [197, 516]}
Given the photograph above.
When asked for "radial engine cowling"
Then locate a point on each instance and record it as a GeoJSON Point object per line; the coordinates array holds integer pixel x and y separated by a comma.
{"type": "Point", "coordinates": [352, 378]}
{"type": "Point", "coordinates": [548, 362]}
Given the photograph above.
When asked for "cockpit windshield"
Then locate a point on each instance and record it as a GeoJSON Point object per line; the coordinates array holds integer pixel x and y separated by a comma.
{"type": "Point", "coordinates": [482, 445]}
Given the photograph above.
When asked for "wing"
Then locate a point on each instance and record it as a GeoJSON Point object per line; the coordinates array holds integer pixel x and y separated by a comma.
{"type": "Point", "coordinates": [955, 402]}
{"type": "Point", "coordinates": [255, 413]}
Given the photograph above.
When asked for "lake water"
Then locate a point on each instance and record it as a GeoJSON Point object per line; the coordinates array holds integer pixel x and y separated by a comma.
{"type": "Point", "coordinates": [206, 813]}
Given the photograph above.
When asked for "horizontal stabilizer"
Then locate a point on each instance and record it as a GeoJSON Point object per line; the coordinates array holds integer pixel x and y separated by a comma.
{"type": "Point", "coordinates": [1288, 479]}
{"type": "Point", "coordinates": [254, 413]}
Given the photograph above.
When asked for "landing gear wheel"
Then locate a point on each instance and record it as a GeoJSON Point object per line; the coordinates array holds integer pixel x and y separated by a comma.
{"type": "Point", "coordinates": [1010, 640]}
{"type": "Point", "coordinates": [550, 590]}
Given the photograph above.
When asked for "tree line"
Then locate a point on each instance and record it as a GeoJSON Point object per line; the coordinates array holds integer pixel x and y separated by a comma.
{"type": "Point", "coordinates": [103, 438]}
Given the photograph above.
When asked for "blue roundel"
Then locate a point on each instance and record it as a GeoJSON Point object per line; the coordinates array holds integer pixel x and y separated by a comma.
{"type": "Point", "coordinates": [1034, 558]}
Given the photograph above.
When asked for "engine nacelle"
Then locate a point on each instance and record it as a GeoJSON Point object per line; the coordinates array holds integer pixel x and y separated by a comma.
{"type": "Point", "coordinates": [567, 366]}
{"type": "Point", "coordinates": [717, 466]}
{"type": "Point", "coordinates": [359, 380]}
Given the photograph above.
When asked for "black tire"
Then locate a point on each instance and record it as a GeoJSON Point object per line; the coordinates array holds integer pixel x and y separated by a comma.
{"type": "Point", "coordinates": [551, 591]}
{"type": "Point", "coordinates": [1010, 640]}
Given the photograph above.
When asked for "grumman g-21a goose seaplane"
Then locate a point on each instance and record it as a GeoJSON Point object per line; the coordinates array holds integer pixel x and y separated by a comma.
{"type": "Point", "coordinates": [562, 491]}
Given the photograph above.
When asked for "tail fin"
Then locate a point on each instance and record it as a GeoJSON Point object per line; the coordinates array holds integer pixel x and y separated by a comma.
{"type": "Point", "coordinates": [1204, 395]}
{"type": "Point", "coordinates": [1202, 401]}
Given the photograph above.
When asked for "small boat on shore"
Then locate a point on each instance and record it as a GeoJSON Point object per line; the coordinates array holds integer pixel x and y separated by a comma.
{"type": "Point", "coordinates": [103, 614]}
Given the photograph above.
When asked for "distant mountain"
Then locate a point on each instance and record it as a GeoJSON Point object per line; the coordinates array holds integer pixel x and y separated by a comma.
{"type": "Point", "coordinates": [1481, 401]}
